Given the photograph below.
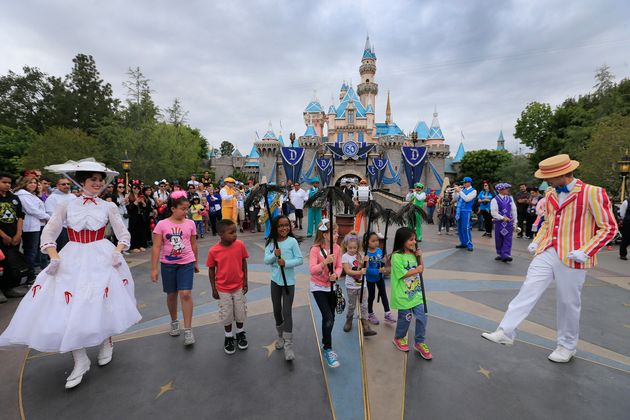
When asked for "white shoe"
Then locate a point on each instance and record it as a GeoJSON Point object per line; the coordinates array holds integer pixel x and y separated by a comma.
{"type": "Point", "coordinates": [81, 367]}
{"type": "Point", "coordinates": [439, 233]}
{"type": "Point", "coordinates": [498, 337]}
{"type": "Point", "coordinates": [561, 355]}
{"type": "Point", "coordinates": [105, 352]}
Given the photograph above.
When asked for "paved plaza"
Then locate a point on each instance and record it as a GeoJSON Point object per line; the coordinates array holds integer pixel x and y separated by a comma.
{"type": "Point", "coordinates": [154, 376]}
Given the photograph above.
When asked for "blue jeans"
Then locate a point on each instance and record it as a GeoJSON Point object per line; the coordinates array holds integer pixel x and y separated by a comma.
{"type": "Point", "coordinates": [430, 211]}
{"type": "Point", "coordinates": [30, 245]}
{"type": "Point", "coordinates": [404, 319]}
{"type": "Point", "coordinates": [177, 277]}
{"type": "Point", "coordinates": [199, 225]}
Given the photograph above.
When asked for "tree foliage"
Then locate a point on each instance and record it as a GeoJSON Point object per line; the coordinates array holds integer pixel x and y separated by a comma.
{"type": "Point", "coordinates": [483, 164]}
{"type": "Point", "coordinates": [227, 148]}
{"type": "Point", "coordinates": [517, 171]}
{"type": "Point", "coordinates": [609, 142]}
{"type": "Point", "coordinates": [48, 119]}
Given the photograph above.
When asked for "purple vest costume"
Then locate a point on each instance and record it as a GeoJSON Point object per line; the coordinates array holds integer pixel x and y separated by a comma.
{"type": "Point", "coordinates": [503, 230]}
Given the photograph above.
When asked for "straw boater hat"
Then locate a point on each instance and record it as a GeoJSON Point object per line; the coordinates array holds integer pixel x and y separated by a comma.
{"type": "Point", "coordinates": [556, 166]}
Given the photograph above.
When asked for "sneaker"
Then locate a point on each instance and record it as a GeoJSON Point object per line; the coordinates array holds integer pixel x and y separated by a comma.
{"type": "Point", "coordinates": [331, 358]}
{"type": "Point", "coordinates": [498, 258]}
{"type": "Point", "coordinates": [561, 355]}
{"type": "Point", "coordinates": [241, 340]}
{"type": "Point", "coordinates": [401, 344]}
{"type": "Point", "coordinates": [389, 318]}
{"type": "Point", "coordinates": [189, 338]}
{"type": "Point", "coordinates": [228, 345]}
{"type": "Point", "coordinates": [16, 292]}
{"type": "Point", "coordinates": [373, 319]}
{"type": "Point", "coordinates": [439, 232]}
{"type": "Point", "coordinates": [424, 351]}
{"type": "Point", "coordinates": [498, 337]}
{"type": "Point", "coordinates": [174, 332]}
{"type": "Point", "coordinates": [623, 257]}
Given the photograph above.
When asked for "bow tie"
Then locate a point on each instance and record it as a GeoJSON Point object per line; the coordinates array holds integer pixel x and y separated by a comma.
{"type": "Point", "coordinates": [562, 189]}
{"type": "Point", "coordinates": [86, 199]}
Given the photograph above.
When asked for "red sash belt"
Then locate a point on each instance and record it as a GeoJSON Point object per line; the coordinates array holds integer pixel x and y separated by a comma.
{"type": "Point", "coordinates": [86, 236]}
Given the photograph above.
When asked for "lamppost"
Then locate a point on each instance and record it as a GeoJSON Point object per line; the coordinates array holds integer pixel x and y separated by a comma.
{"type": "Point", "coordinates": [414, 138]}
{"type": "Point", "coordinates": [126, 165]}
{"type": "Point", "coordinates": [623, 167]}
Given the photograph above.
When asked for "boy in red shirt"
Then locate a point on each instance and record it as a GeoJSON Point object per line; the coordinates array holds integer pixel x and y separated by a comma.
{"type": "Point", "coordinates": [227, 269]}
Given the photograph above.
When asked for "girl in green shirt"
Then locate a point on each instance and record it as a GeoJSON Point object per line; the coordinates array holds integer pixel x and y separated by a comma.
{"type": "Point", "coordinates": [406, 293]}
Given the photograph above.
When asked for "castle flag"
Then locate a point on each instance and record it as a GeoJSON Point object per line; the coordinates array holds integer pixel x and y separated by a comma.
{"type": "Point", "coordinates": [292, 159]}
{"type": "Point", "coordinates": [325, 169]}
{"type": "Point", "coordinates": [413, 161]}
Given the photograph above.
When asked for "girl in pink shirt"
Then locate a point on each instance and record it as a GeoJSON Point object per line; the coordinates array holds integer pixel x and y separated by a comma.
{"type": "Point", "coordinates": [174, 244]}
{"type": "Point", "coordinates": [322, 280]}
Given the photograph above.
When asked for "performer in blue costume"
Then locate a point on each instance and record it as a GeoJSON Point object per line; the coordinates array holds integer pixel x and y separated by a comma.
{"type": "Point", "coordinates": [464, 213]}
{"type": "Point", "coordinates": [314, 214]}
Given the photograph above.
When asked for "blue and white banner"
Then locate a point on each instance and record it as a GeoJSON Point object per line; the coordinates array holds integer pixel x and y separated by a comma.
{"type": "Point", "coordinates": [413, 161]}
{"type": "Point", "coordinates": [292, 159]}
{"type": "Point", "coordinates": [325, 169]}
{"type": "Point", "coordinates": [380, 165]}
{"type": "Point", "coordinates": [350, 150]}
{"type": "Point", "coordinates": [372, 175]}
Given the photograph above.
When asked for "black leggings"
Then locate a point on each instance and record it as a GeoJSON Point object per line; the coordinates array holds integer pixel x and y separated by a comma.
{"type": "Point", "coordinates": [372, 294]}
{"type": "Point", "coordinates": [487, 220]}
{"type": "Point", "coordinates": [282, 305]}
{"type": "Point", "coordinates": [326, 303]}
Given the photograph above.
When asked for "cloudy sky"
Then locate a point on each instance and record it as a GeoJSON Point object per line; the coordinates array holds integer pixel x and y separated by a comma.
{"type": "Point", "coordinates": [236, 65]}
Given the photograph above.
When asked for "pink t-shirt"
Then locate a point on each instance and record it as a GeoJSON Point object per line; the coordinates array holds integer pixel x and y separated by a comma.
{"type": "Point", "coordinates": [176, 248]}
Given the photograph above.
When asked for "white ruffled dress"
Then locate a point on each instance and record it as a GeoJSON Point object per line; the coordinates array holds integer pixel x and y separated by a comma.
{"type": "Point", "coordinates": [88, 299]}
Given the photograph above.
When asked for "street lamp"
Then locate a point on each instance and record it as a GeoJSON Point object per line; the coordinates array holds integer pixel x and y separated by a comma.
{"type": "Point", "coordinates": [126, 165]}
{"type": "Point", "coordinates": [623, 167]}
{"type": "Point", "coordinates": [414, 138]}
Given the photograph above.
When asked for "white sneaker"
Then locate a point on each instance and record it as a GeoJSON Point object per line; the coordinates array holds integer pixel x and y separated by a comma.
{"type": "Point", "coordinates": [81, 367]}
{"type": "Point", "coordinates": [498, 337]}
{"type": "Point", "coordinates": [174, 332]}
{"type": "Point", "coordinates": [561, 355]}
{"type": "Point", "coordinates": [105, 352]}
{"type": "Point", "coordinates": [439, 233]}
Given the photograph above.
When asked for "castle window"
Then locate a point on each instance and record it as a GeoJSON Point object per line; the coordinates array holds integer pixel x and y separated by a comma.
{"type": "Point", "coordinates": [350, 117]}
{"type": "Point", "coordinates": [367, 80]}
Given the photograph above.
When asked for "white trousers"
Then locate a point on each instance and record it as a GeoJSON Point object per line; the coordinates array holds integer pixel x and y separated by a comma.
{"type": "Point", "coordinates": [544, 268]}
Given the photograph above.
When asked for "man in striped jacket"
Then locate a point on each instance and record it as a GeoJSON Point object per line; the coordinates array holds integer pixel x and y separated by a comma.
{"type": "Point", "coordinates": [578, 222]}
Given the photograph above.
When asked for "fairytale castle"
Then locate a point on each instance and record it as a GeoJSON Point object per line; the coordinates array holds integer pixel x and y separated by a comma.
{"type": "Point", "coordinates": [349, 125]}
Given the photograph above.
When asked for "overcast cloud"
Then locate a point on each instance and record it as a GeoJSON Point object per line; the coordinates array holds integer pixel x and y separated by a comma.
{"type": "Point", "coordinates": [236, 65]}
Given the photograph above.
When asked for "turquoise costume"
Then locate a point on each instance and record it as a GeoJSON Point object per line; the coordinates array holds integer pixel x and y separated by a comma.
{"type": "Point", "coordinates": [314, 214]}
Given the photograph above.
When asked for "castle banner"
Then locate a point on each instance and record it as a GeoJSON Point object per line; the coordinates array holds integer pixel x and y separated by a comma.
{"type": "Point", "coordinates": [372, 174]}
{"type": "Point", "coordinates": [379, 165]}
{"type": "Point", "coordinates": [413, 161]}
{"type": "Point", "coordinates": [292, 160]}
{"type": "Point", "coordinates": [325, 169]}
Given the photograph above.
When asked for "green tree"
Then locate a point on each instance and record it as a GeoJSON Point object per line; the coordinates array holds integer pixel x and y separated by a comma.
{"type": "Point", "coordinates": [517, 170]}
{"type": "Point", "coordinates": [227, 148]}
{"type": "Point", "coordinates": [604, 79]}
{"type": "Point", "coordinates": [13, 144]}
{"type": "Point", "coordinates": [483, 164]}
{"type": "Point", "coordinates": [176, 114]}
{"type": "Point", "coordinates": [533, 129]}
{"type": "Point", "coordinates": [90, 97]}
{"type": "Point", "coordinates": [22, 98]}
{"type": "Point", "coordinates": [57, 145]}
{"type": "Point", "coordinates": [609, 142]}
{"type": "Point", "coordinates": [140, 108]}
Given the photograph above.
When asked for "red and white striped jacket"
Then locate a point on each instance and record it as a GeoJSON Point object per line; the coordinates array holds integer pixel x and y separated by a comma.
{"type": "Point", "coordinates": [584, 222]}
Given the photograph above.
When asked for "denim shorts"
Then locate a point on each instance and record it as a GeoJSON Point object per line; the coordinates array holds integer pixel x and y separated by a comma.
{"type": "Point", "coordinates": [177, 277]}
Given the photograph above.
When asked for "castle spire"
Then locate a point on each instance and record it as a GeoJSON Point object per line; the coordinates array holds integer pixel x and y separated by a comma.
{"type": "Point", "coordinates": [388, 111]}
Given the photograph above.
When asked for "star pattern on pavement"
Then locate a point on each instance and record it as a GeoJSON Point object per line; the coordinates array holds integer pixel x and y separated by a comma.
{"type": "Point", "coordinates": [485, 372]}
{"type": "Point", "coordinates": [164, 389]}
{"type": "Point", "coordinates": [270, 348]}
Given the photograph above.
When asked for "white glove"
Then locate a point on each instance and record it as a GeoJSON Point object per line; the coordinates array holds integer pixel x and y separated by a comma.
{"type": "Point", "coordinates": [117, 259]}
{"type": "Point", "coordinates": [532, 247]}
{"type": "Point", "coordinates": [53, 266]}
{"type": "Point", "coordinates": [578, 256]}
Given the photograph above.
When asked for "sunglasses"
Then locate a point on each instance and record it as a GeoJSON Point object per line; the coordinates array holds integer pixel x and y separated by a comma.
{"type": "Point", "coordinates": [65, 183]}
{"type": "Point", "coordinates": [120, 187]}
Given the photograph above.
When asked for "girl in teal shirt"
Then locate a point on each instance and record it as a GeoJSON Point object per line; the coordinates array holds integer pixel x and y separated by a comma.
{"type": "Point", "coordinates": [287, 255]}
{"type": "Point", "coordinates": [407, 292]}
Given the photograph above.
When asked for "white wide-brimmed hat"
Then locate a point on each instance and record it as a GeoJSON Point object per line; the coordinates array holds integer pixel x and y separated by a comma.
{"type": "Point", "coordinates": [84, 165]}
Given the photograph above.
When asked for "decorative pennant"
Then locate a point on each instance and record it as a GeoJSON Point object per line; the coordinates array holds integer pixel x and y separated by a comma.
{"type": "Point", "coordinates": [413, 161]}
{"type": "Point", "coordinates": [380, 165]}
{"type": "Point", "coordinates": [325, 169]}
{"type": "Point", "coordinates": [292, 159]}
{"type": "Point", "coordinates": [372, 175]}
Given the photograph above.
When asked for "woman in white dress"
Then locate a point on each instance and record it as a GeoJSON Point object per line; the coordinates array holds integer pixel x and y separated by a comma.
{"type": "Point", "coordinates": [86, 295]}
